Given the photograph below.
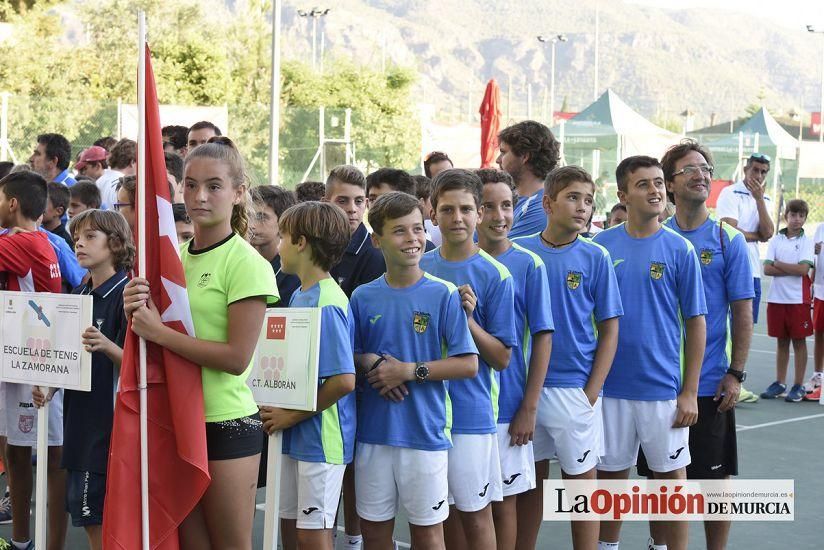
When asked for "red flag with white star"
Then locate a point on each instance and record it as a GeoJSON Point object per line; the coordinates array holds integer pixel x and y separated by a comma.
{"type": "Point", "coordinates": [178, 465]}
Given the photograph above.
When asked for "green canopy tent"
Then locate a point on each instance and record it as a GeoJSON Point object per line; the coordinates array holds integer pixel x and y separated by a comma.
{"type": "Point", "coordinates": [605, 133]}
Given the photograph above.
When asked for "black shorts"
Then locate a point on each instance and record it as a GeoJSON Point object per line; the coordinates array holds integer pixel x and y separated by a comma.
{"type": "Point", "coordinates": [235, 438]}
{"type": "Point", "coordinates": [713, 444]}
{"type": "Point", "coordinates": [84, 497]}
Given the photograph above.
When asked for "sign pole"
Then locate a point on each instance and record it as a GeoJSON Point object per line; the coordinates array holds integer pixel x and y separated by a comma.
{"type": "Point", "coordinates": [272, 512]}
{"type": "Point", "coordinates": [41, 488]}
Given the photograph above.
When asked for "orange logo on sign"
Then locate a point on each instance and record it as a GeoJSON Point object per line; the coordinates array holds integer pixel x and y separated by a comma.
{"type": "Point", "coordinates": [276, 328]}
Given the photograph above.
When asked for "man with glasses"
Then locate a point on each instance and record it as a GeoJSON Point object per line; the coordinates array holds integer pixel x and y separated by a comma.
{"type": "Point", "coordinates": [744, 206]}
{"type": "Point", "coordinates": [727, 276]}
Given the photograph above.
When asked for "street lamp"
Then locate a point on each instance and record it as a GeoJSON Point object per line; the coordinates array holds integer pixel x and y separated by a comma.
{"type": "Point", "coordinates": [314, 13]}
{"type": "Point", "coordinates": [552, 41]}
{"type": "Point", "coordinates": [811, 28]}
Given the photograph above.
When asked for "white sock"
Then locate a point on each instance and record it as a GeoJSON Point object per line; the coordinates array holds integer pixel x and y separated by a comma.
{"type": "Point", "coordinates": [652, 546]}
{"type": "Point", "coordinates": [608, 545]}
{"type": "Point", "coordinates": [352, 542]}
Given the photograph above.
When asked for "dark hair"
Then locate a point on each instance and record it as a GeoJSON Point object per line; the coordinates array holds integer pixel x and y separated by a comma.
{"type": "Point", "coordinates": [629, 165]}
{"type": "Point", "coordinates": [561, 178]}
{"type": "Point", "coordinates": [434, 158]}
{"type": "Point", "coordinates": [180, 214]}
{"type": "Point", "coordinates": [797, 206]}
{"type": "Point", "coordinates": [423, 187]}
{"type": "Point", "coordinates": [177, 135]}
{"type": "Point", "coordinates": [117, 231]}
{"type": "Point", "coordinates": [5, 168]}
{"type": "Point", "coordinates": [617, 206]}
{"type": "Point", "coordinates": [174, 165]}
{"type": "Point", "coordinates": [203, 125]}
{"type": "Point", "coordinates": [30, 190]}
{"type": "Point", "coordinates": [535, 140]}
{"type": "Point", "coordinates": [58, 147]}
{"type": "Point", "coordinates": [87, 193]}
{"type": "Point", "coordinates": [323, 225]}
{"type": "Point", "coordinates": [456, 179]}
{"type": "Point", "coordinates": [129, 183]}
{"type": "Point", "coordinates": [398, 180]}
{"type": "Point", "coordinates": [345, 173]}
{"type": "Point", "coordinates": [123, 154]}
{"type": "Point", "coordinates": [490, 175]}
{"type": "Point", "coordinates": [391, 206]}
{"type": "Point", "coordinates": [275, 197]}
{"type": "Point", "coordinates": [677, 152]}
{"type": "Point", "coordinates": [310, 191]}
{"type": "Point", "coordinates": [106, 142]}
{"type": "Point", "coordinates": [58, 194]}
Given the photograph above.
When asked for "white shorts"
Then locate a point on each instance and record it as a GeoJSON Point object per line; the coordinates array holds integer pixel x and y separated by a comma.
{"type": "Point", "coordinates": [569, 427]}
{"type": "Point", "coordinates": [474, 471]}
{"type": "Point", "coordinates": [313, 488]}
{"type": "Point", "coordinates": [517, 464]}
{"type": "Point", "coordinates": [18, 416]}
{"type": "Point", "coordinates": [629, 423]}
{"type": "Point", "coordinates": [386, 476]}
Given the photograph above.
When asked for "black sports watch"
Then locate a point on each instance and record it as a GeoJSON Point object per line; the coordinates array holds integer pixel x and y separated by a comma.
{"type": "Point", "coordinates": [421, 372]}
{"type": "Point", "coordinates": [739, 375]}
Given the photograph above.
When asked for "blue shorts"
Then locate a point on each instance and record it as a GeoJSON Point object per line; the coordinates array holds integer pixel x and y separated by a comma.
{"type": "Point", "coordinates": [756, 302]}
{"type": "Point", "coordinates": [84, 497]}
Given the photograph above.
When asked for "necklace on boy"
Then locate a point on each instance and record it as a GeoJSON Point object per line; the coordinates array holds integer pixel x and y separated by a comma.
{"type": "Point", "coordinates": [553, 245]}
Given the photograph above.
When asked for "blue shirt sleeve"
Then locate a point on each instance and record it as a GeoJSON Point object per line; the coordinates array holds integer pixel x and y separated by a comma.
{"type": "Point", "coordinates": [70, 270]}
{"type": "Point", "coordinates": [357, 323]}
{"type": "Point", "coordinates": [335, 343]}
{"type": "Point", "coordinates": [456, 328]}
{"type": "Point", "coordinates": [499, 309]}
{"type": "Point", "coordinates": [607, 294]}
{"type": "Point", "coordinates": [691, 299]}
{"type": "Point", "coordinates": [538, 309]}
{"type": "Point", "coordinates": [737, 269]}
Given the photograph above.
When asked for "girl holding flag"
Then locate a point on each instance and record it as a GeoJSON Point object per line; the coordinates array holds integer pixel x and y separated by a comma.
{"type": "Point", "coordinates": [228, 285]}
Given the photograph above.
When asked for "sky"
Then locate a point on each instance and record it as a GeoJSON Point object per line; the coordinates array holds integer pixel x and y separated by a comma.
{"type": "Point", "coordinates": [789, 13]}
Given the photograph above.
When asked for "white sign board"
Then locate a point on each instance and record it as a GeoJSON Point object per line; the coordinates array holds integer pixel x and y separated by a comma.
{"type": "Point", "coordinates": [40, 342]}
{"type": "Point", "coordinates": [285, 369]}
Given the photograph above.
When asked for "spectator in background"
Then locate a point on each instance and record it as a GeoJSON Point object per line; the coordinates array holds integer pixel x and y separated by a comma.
{"type": "Point", "coordinates": [174, 171]}
{"type": "Point", "coordinates": [423, 190]}
{"type": "Point", "coordinates": [617, 215]}
{"type": "Point", "coordinates": [84, 195]}
{"type": "Point", "coordinates": [529, 152]}
{"type": "Point", "coordinates": [200, 133]}
{"type": "Point", "coordinates": [123, 157]}
{"type": "Point", "coordinates": [5, 168]}
{"type": "Point", "coordinates": [93, 163]}
{"type": "Point", "coordinates": [310, 191]}
{"type": "Point", "coordinates": [175, 139]}
{"type": "Point", "coordinates": [51, 158]}
{"type": "Point", "coordinates": [106, 142]}
{"type": "Point", "coordinates": [57, 205]}
{"type": "Point", "coordinates": [435, 163]}
{"type": "Point", "coordinates": [183, 224]}
{"type": "Point", "coordinates": [384, 180]}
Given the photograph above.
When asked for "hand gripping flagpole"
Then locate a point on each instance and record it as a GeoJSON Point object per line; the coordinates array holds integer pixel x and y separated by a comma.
{"type": "Point", "coordinates": [141, 271]}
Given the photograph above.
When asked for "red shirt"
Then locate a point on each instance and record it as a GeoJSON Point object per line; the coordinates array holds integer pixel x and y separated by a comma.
{"type": "Point", "coordinates": [29, 263]}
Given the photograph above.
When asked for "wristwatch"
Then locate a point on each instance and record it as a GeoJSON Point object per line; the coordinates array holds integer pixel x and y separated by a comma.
{"type": "Point", "coordinates": [421, 372]}
{"type": "Point", "coordinates": [739, 375]}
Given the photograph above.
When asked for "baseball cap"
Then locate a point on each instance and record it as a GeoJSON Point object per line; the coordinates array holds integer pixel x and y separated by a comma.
{"type": "Point", "coordinates": [95, 153]}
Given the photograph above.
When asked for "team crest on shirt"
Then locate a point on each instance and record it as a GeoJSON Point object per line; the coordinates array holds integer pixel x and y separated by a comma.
{"type": "Point", "coordinates": [706, 256]}
{"type": "Point", "coordinates": [656, 270]}
{"type": "Point", "coordinates": [25, 423]}
{"type": "Point", "coordinates": [573, 279]}
{"type": "Point", "coordinates": [204, 280]}
{"type": "Point", "coordinates": [420, 321]}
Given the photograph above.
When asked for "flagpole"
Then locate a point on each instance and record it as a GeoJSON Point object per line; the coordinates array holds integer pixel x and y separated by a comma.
{"type": "Point", "coordinates": [141, 270]}
{"type": "Point", "coordinates": [274, 111]}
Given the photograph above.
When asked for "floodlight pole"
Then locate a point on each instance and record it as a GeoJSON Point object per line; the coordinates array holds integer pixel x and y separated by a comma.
{"type": "Point", "coordinates": [811, 28]}
{"type": "Point", "coordinates": [552, 41]}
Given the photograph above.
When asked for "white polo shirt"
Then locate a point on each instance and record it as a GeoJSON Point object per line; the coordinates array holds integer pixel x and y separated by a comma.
{"type": "Point", "coordinates": [107, 183]}
{"type": "Point", "coordinates": [790, 289]}
{"type": "Point", "coordinates": [818, 286]}
{"type": "Point", "coordinates": [735, 201]}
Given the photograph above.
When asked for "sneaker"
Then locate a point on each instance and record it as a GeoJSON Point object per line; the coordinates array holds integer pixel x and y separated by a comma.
{"type": "Point", "coordinates": [746, 396]}
{"type": "Point", "coordinates": [5, 511]}
{"type": "Point", "coordinates": [796, 394]}
{"type": "Point", "coordinates": [814, 395]}
{"type": "Point", "coordinates": [776, 389]}
{"type": "Point", "coordinates": [814, 382]}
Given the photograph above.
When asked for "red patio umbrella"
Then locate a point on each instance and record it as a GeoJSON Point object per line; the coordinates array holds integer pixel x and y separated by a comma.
{"type": "Point", "coordinates": [490, 124]}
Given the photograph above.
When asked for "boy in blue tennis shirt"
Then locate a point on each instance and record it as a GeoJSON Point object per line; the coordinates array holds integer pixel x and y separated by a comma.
{"type": "Point", "coordinates": [411, 335]}
{"type": "Point", "coordinates": [317, 445]}
{"type": "Point", "coordinates": [488, 298]}
{"type": "Point", "coordinates": [522, 381]}
{"type": "Point", "coordinates": [648, 398]}
{"type": "Point", "coordinates": [586, 305]}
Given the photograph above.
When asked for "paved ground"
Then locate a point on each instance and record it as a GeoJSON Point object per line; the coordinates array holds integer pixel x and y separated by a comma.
{"type": "Point", "coordinates": [775, 440]}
